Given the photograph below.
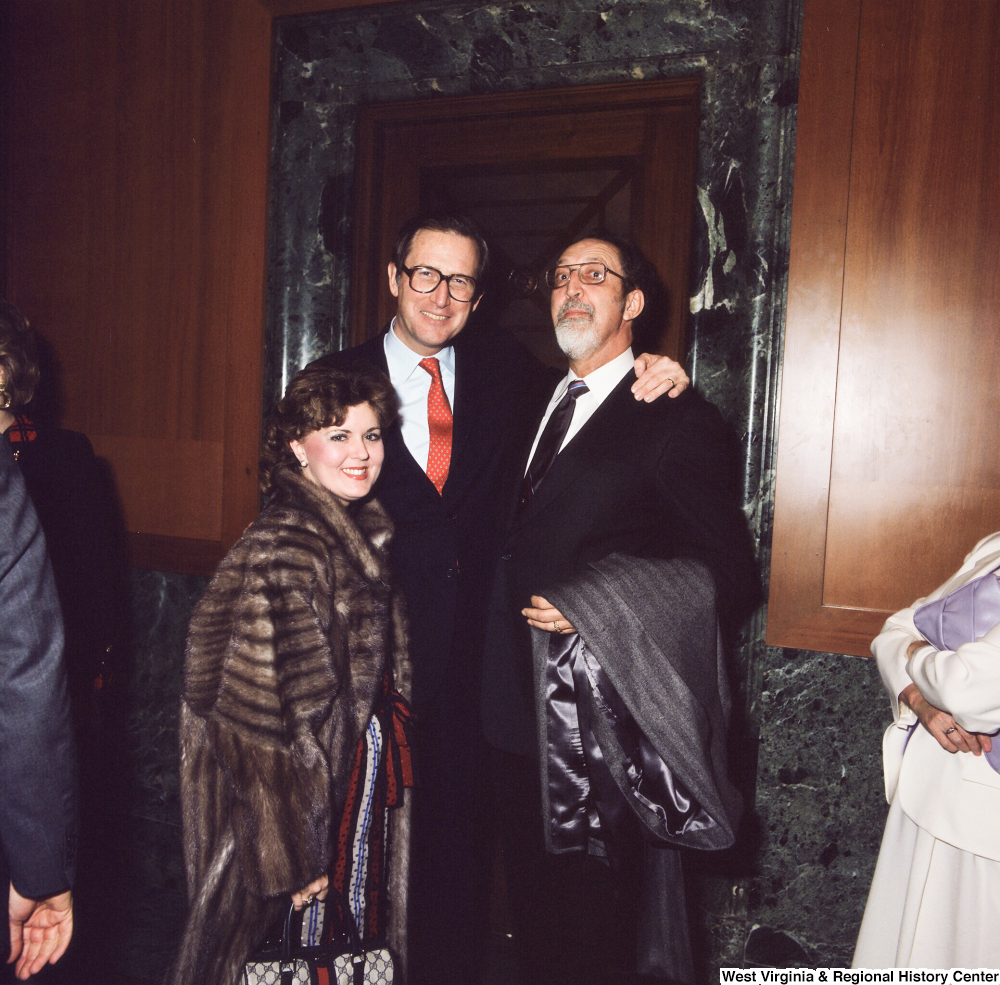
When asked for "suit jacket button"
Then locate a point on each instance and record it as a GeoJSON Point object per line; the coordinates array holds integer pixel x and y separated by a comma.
{"type": "Point", "coordinates": [452, 516]}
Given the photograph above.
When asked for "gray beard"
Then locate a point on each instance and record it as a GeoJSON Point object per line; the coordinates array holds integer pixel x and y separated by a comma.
{"type": "Point", "coordinates": [575, 341]}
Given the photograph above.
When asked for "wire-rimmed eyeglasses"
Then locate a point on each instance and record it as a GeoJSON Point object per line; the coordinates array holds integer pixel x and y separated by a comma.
{"type": "Point", "coordinates": [424, 280]}
{"type": "Point", "coordinates": [588, 273]}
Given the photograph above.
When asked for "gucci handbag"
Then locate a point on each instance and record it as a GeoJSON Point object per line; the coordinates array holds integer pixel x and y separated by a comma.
{"type": "Point", "coordinates": [285, 963]}
{"type": "Point", "coordinates": [300, 958]}
{"type": "Point", "coordinates": [358, 966]}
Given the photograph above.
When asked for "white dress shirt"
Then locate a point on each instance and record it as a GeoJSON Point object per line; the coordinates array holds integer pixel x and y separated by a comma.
{"type": "Point", "coordinates": [412, 383]}
{"type": "Point", "coordinates": [600, 383]}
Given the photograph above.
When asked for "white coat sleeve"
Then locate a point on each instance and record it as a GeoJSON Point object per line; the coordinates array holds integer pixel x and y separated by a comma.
{"type": "Point", "coordinates": [889, 647]}
{"type": "Point", "coordinates": [965, 681]}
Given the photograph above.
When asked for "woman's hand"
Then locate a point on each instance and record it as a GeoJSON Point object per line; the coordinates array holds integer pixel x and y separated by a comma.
{"type": "Point", "coordinates": [544, 616]}
{"type": "Point", "coordinates": [316, 889]}
{"type": "Point", "coordinates": [949, 734]}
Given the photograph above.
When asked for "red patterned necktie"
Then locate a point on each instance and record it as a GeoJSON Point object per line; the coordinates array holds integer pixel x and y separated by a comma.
{"type": "Point", "coordinates": [439, 425]}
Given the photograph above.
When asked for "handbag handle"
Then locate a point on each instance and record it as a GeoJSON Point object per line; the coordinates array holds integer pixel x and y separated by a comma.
{"type": "Point", "coordinates": [359, 957]}
{"type": "Point", "coordinates": [348, 919]}
{"type": "Point", "coordinates": [286, 940]}
{"type": "Point", "coordinates": [288, 934]}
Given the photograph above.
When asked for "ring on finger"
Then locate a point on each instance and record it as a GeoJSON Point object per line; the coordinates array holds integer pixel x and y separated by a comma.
{"type": "Point", "coordinates": [948, 731]}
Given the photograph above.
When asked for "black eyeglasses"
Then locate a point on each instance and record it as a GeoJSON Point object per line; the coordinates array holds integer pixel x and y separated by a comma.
{"type": "Point", "coordinates": [423, 280]}
{"type": "Point", "coordinates": [589, 274]}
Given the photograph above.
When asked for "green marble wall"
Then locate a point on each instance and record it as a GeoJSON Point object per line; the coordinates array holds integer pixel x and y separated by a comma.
{"type": "Point", "coordinates": [162, 605]}
{"type": "Point", "coordinates": [820, 805]}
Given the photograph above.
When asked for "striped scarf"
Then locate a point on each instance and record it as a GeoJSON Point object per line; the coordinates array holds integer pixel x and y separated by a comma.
{"type": "Point", "coordinates": [382, 768]}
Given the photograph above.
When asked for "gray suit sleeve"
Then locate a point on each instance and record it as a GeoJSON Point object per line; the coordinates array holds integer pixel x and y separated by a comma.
{"type": "Point", "coordinates": [38, 799]}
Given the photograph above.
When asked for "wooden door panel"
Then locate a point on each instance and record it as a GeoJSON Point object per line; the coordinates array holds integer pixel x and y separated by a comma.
{"type": "Point", "coordinates": [666, 197]}
{"type": "Point", "coordinates": [152, 484]}
{"type": "Point", "coordinates": [593, 134]}
{"type": "Point", "coordinates": [921, 516]}
{"type": "Point", "coordinates": [796, 615]}
{"type": "Point", "coordinates": [889, 446]}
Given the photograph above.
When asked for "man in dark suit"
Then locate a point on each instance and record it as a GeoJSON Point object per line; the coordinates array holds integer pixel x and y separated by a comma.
{"type": "Point", "coordinates": [37, 765]}
{"type": "Point", "coordinates": [604, 474]}
{"type": "Point", "coordinates": [467, 399]}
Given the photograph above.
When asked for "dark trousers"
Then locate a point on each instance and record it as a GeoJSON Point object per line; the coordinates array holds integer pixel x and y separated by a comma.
{"type": "Point", "coordinates": [451, 837]}
{"type": "Point", "coordinates": [577, 919]}
{"type": "Point", "coordinates": [574, 924]}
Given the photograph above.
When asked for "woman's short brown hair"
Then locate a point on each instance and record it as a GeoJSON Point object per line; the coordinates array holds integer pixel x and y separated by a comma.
{"type": "Point", "coordinates": [18, 357]}
{"type": "Point", "coordinates": [317, 397]}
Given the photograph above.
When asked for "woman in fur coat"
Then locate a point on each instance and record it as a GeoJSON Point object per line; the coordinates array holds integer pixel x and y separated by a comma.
{"type": "Point", "coordinates": [293, 655]}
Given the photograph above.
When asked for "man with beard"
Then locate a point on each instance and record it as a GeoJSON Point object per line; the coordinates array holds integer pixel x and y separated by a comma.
{"type": "Point", "coordinates": [605, 475]}
{"type": "Point", "coordinates": [467, 394]}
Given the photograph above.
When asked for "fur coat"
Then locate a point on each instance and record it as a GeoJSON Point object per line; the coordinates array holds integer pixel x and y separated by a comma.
{"type": "Point", "coordinates": [285, 656]}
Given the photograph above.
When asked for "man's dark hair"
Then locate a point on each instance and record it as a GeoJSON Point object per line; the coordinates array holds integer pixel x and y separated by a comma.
{"type": "Point", "coordinates": [637, 274]}
{"type": "Point", "coordinates": [442, 222]}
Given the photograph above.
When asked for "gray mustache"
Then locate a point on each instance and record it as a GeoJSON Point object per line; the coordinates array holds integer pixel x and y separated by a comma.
{"type": "Point", "coordinates": [569, 303]}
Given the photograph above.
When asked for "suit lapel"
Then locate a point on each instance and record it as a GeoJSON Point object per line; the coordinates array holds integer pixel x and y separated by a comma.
{"type": "Point", "coordinates": [405, 462]}
{"type": "Point", "coordinates": [585, 445]}
{"type": "Point", "coordinates": [471, 413]}
{"type": "Point", "coordinates": [522, 462]}
{"type": "Point", "coordinates": [467, 409]}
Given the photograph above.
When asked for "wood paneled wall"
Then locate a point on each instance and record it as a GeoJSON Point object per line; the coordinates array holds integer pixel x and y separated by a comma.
{"type": "Point", "coordinates": [889, 442]}
{"type": "Point", "coordinates": [135, 171]}
{"type": "Point", "coordinates": [135, 244]}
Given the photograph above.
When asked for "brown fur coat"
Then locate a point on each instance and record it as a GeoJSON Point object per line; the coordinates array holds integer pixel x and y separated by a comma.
{"type": "Point", "coordinates": [285, 655]}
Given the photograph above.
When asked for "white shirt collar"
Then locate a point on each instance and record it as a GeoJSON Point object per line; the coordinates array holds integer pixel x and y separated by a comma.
{"type": "Point", "coordinates": [600, 383]}
{"type": "Point", "coordinates": [605, 378]}
{"type": "Point", "coordinates": [403, 362]}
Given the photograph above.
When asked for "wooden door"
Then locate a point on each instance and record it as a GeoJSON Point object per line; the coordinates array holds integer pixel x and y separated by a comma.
{"type": "Point", "coordinates": [535, 170]}
{"type": "Point", "coordinates": [889, 442]}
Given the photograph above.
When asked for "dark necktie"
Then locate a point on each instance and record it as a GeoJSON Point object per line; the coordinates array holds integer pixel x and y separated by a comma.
{"type": "Point", "coordinates": [439, 424]}
{"type": "Point", "coordinates": [551, 440]}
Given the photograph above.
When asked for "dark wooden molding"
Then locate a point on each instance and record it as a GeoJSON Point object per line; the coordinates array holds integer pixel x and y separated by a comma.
{"type": "Point", "coordinates": [655, 123]}
{"type": "Point", "coordinates": [796, 614]}
{"type": "Point", "coordinates": [182, 555]}
{"type": "Point", "coordinates": [287, 8]}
